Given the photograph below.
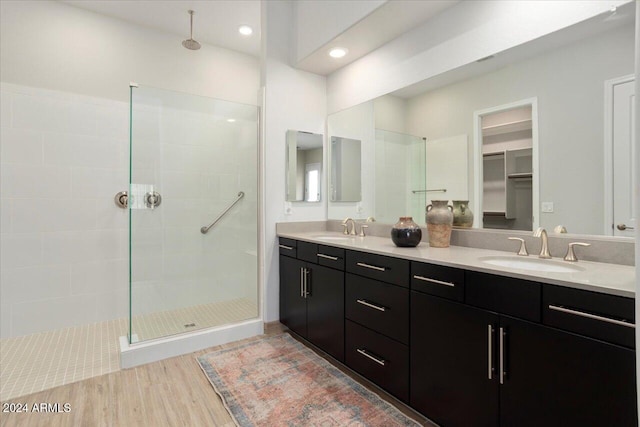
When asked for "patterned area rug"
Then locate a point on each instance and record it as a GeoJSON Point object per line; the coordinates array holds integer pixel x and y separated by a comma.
{"type": "Point", "coordinates": [277, 381]}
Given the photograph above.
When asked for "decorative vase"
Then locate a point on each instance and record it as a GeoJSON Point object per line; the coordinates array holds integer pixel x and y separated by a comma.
{"type": "Point", "coordinates": [406, 233]}
{"type": "Point", "coordinates": [462, 215]}
{"type": "Point", "coordinates": [439, 222]}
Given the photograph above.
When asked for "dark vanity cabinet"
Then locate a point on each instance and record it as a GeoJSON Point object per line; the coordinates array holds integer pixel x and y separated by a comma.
{"type": "Point", "coordinates": [377, 320]}
{"type": "Point", "coordinates": [493, 356]}
{"type": "Point", "coordinates": [312, 295]}
{"type": "Point", "coordinates": [466, 348]}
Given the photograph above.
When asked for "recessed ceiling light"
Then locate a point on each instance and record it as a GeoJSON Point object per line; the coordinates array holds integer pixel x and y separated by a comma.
{"type": "Point", "coordinates": [231, 120]}
{"type": "Point", "coordinates": [338, 52]}
{"type": "Point", "coordinates": [245, 30]}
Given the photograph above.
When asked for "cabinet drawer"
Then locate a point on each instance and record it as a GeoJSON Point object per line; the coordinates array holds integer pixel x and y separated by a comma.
{"type": "Point", "coordinates": [506, 295]}
{"type": "Point", "coordinates": [330, 257]}
{"type": "Point", "coordinates": [378, 306]}
{"type": "Point", "coordinates": [379, 267]}
{"type": "Point", "coordinates": [605, 317]}
{"type": "Point", "coordinates": [379, 359]}
{"type": "Point", "coordinates": [308, 251]}
{"type": "Point", "coordinates": [446, 282]}
{"type": "Point", "coordinates": [288, 247]}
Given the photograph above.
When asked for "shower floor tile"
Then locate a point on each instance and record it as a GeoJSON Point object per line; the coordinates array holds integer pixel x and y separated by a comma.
{"type": "Point", "coordinates": [45, 360]}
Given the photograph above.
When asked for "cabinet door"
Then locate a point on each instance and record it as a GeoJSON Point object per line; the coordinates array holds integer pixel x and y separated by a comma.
{"type": "Point", "coordinates": [556, 378]}
{"type": "Point", "coordinates": [325, 309]}
{"type": "Point", "coordinates": [293, 305]}
{"type": "Point", "coordinates": [452, 351]}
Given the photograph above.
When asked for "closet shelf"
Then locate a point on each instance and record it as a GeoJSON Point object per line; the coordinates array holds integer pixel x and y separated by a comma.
{"type": "Point", "coordinates": [503, 128]}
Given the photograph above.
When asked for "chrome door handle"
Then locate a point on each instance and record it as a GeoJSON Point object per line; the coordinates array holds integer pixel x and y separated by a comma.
{"type": "Point", "coordinates": [374, 306]}
{"type": "Point", "coordinates": [289, 248]}
{"type": "Point", "coordinates": [623, 227]}
{"type": "Point", "coordinates": [591, 316]}
{"type": "Point", "coordinates": [438, 282]}
{"type": "Point", "coordinates": [332, 258]}
{"type": "Point", "coordinates": [373, 267]}
{"type": "Point", "coordinates": [302, 282]}
{"type": "Point", "coordinates": [378, 360]}
{"type": "Point", "coordinates": [502, 373]}
{"type": "Point", "coordinates": [490, 349]}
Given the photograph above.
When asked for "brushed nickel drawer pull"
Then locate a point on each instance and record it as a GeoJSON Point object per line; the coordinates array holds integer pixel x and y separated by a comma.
{"type": "Point", "coordinates": [374, 358]}
{"type": "Point", "coordinates": [289, 248]}
{"type": "Point", "coordinates": [591, 316]}
{"type": "Point", "coordinates": [438, 282]}
{"type": "Point", "coordinates": [332, 258]}
{"type": "Point", "coordinates": [368, 304]}
{"type": "Point", "coordinates": [373, 267]}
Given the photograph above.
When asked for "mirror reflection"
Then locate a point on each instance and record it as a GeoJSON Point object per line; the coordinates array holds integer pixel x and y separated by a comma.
{"type": "Point", "coordinates": [577, 79]}
{"type": "Point", "coordinates": [304, 166]}
{"type": "Point", "coordinates": [345, 170]}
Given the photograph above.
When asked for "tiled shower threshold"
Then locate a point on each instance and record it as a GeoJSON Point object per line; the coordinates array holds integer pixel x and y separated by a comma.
{"type": "Point", "coordinates": [49, 359]}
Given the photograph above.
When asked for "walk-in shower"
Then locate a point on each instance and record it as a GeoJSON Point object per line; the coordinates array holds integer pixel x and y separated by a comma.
{"type": "Point", "coordinates": [193, 213]}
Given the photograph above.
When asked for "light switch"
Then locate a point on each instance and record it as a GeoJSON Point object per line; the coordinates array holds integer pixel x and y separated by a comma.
{"type": "Point", "coordinates": [547, 207]}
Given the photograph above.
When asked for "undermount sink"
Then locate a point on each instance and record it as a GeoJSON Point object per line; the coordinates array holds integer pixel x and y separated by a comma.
{"type": "Point", "coordinates": [533, 264]}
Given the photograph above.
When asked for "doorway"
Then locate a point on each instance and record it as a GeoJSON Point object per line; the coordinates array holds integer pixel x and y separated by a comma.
{"type": "Point", "coordinates": [506, 182]}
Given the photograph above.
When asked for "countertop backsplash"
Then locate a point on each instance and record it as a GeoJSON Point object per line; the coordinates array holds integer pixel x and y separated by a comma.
{"type": "Point", "coordinates": [603, 249]}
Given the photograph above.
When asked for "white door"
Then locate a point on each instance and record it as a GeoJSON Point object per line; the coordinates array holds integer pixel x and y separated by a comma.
{"type": "Point", "coordinates": [624, 218]}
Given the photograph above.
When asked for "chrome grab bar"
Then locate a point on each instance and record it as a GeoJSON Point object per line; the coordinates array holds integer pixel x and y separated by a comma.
{"type": "Point", "coordinates": [438, 190]}
{"type": "Point", "coordinates": [206, 228]}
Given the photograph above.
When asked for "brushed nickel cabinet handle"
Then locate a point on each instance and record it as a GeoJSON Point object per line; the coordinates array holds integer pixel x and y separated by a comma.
{"type": "Point", "coordinates": [332, 258]}
{"type": "Point", "coordinates": [378, 360]}
{"type": "Point", "coordinates": [289, 248]}
{"type": "Point", "coordinates": [307, 292]}
{"type": "Point", "coordinates": [591, 316]}
{"type": "Point", "coordinates": [302, 282]}
{"type": "Point", "coordinates": [438, 282]}
{"type": "Point", "coordinates": [374, 306]}
{"type": "Point", "coordinates": [373, 267]}
{"type": "Point", "coordinates": [490, 349]}
{"type": "Point", "coordinates": [502, 335]}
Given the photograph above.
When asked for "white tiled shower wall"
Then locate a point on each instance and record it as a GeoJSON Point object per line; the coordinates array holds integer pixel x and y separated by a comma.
{"type": "Point", "coordinates": [64, 254]}
{"type": "Point", "coordinates": [63, 245]}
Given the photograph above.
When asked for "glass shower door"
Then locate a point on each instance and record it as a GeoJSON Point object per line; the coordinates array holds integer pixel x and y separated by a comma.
{"type": "Point", "coordinates": [400, 177]}
{"type": "Point", "coordinates": [193, 159]}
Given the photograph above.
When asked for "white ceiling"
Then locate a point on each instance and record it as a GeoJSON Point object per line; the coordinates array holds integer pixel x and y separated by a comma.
{"type": "Point", "coordinates": [214, 22]}
{"type": "Point", "coordinates": [384, 24]}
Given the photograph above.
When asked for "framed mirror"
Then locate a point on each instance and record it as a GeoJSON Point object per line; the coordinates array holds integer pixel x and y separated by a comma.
{"type": "Point", "coordinates": [578, 77]}
{"type": "Point", "coordinates": [304, 162]}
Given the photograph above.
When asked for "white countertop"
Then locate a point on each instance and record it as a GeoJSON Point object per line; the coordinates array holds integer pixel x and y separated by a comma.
{"type": "Point", "coordinates": [611, 279]}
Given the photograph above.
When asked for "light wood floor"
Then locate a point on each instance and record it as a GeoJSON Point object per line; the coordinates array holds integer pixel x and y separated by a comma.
{"type": "Point", "coordinates": [171, 392]}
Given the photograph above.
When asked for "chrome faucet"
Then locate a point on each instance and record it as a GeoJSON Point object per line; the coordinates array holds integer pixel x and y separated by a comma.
{"type": "Point", "coordinates": [544, 249]}
{"type": "Point", "coordinates": [345, 223]}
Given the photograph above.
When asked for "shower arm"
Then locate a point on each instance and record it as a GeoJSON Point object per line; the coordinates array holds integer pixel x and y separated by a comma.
{"type": "Point", "coordinates": [205, 229]}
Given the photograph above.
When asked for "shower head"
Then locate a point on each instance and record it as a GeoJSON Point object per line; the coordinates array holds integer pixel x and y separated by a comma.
{"type": "Point", "coordinates": [190, 43]}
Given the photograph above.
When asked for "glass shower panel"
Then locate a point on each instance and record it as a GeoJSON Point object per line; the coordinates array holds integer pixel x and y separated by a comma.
{"type": "Point", "coordinates": [191, 157]}
{"type": "Point", "coordinates": [400, 177]}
